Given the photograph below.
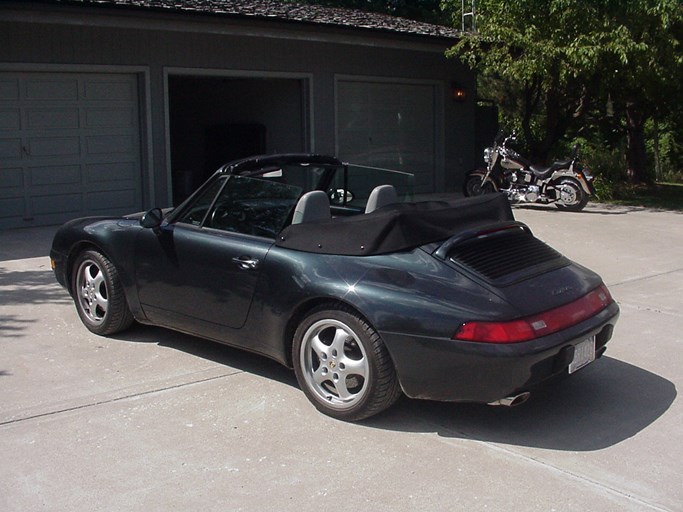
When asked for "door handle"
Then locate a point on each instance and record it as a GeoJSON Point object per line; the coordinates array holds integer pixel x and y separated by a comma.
{"type": "Point", "coordinates": [246, 262]}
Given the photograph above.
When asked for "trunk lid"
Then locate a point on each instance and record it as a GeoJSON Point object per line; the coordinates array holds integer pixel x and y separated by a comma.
{"type": "Point", "coordinates": [508, 260]}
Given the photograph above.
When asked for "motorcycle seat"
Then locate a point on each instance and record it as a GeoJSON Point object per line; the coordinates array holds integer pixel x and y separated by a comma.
{"type": "Point", "coordinates": [544, 172]}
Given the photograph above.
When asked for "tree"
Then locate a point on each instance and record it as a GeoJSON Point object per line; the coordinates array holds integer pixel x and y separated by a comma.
{"type": "Point", "coordinates": [554, 65]}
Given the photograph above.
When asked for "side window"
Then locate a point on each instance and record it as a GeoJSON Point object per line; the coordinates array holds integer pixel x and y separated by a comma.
{"type": "Point", "coordinates": [196, 212]}
{"type": "Point", "coordinates": [253, 206]}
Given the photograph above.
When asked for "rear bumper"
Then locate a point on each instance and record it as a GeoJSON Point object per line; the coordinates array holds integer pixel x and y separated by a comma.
{"type": "Point", "coordinates": [458, 371]}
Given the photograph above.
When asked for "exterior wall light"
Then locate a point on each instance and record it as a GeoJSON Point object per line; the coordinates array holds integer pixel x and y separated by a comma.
{"type": "Point", "coordinates": [458, 92]}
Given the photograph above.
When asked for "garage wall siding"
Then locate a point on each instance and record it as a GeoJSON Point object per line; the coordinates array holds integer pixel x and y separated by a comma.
{"type": "Point", "coordinates": [60, 47]}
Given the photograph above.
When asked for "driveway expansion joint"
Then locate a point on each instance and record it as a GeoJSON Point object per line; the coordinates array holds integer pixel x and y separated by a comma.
{"type": "Point", "coordinates": [119, 398]}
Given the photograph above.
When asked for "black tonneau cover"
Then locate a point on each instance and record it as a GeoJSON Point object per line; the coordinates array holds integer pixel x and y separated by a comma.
{"type": "Point", "coordinates": [396, 227]}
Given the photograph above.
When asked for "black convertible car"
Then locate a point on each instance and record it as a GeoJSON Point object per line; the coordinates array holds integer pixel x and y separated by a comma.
{"type": "Point", "coordinates": [331, 269]}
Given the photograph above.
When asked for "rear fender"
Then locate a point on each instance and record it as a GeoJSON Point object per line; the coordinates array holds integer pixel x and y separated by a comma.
{"type": "Point", "coordinates": [578, 176]}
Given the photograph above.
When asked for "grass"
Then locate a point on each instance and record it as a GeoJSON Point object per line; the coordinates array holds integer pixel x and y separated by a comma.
{"type": "Point", "coordinates": [668, 196]}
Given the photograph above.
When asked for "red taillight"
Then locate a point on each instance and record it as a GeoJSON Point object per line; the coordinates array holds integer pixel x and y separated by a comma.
{"type": "Point", "coordinates": [535, 326]}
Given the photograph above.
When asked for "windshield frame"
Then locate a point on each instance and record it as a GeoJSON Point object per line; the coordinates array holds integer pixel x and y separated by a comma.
{"type": "Point", "coordinates": [329, 170]}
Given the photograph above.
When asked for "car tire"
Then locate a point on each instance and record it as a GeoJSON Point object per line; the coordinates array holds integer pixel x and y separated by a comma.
{"type": "Point", "coordinates": [98, 294]}
{"type": "Point", "coordinates": [342, 365]}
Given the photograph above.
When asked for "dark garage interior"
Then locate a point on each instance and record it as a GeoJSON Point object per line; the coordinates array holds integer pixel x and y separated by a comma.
{"type": "Point", "coordinates": [214, 120]}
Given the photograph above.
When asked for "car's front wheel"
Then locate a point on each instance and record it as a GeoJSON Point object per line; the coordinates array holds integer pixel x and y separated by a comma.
{"type": "Point", "coordinates": [98, 294]}
{"type": "Point", "coordinates": [343, 366]}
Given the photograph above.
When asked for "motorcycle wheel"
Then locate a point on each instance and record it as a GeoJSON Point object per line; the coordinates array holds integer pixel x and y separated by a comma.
{"type": "Point", "coordinates": [572, 196]}
{"type": "Point", "coordinates": [474, 187]}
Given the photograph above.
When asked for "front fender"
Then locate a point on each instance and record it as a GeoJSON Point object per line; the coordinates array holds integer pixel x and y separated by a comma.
{"type": "Point", "coordinates": [480, 174]}
{"type": "Point", "coordinates": [112, 236]}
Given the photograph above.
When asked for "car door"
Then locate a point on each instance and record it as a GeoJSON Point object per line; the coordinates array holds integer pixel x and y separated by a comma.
{"type": "Point", "coordinates": [199, 271]}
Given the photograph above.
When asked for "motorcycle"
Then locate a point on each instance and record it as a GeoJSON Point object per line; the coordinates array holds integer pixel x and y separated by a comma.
{"type": "Point", "coordinates": [567, 183]}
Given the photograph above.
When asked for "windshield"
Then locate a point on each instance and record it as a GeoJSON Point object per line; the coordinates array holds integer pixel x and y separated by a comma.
{"type": "Point", "coordinates": [359, 181]}
{"type": "Point", "coordinates": [260, 201]}
{"type": "Point", "coordinates": [238, 204]}
{"type": "Point", "coordinates": [306, 177]}
{"type": "Point", "coordinates": [347, 185]}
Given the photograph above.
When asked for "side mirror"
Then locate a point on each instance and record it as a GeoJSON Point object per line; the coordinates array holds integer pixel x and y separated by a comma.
{"type": "Point", "coordinates": [339, 196]}
{"type": "Point", "coordinates": [152, 219]}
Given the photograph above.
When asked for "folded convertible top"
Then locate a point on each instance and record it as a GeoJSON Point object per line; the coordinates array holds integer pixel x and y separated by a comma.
{"type": "Point", "coordinates": [396, 227]}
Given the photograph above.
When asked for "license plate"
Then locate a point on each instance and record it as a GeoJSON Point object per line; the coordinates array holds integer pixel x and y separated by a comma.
{"type": "Point", "coordinates": [584, 353]}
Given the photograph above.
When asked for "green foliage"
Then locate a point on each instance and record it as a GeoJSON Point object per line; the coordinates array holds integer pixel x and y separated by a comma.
{"type": "Point", "coordinates": [554, 66]}
{"type": "Point", "coordinates": [665, 147]}
{"type": "Point", "coordinates": [661, 195]}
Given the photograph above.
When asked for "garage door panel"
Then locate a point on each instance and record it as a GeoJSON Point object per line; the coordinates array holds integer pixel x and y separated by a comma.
{"type": "Point", "coordinates": [10, 119]}
{"type": "Point", "coordinates": [61, 175]}
{"type": "Point", "coordinates": [62, 203]}
{"type": "Point", "coordinates": [119, 200]}
{"type": "Point", "coordinates": [9, 89]}
{"type": "Point", "coordinates": [10, 148]}
{"type": "Point", "coordinates": [384, 139]}
{"type": "Point", "coordinates": [109, 144]}
{"type": "Point", "coordinates": [111, 172]}
{"type": "Point", "coordinates": [12, 177]}
{"type": "Point", "coordinates": [389, 125]}
{"type": "Point", "coordinates": [70, 143]}
{"type": "Point", "coordinates": [52, 118]}
{"type": "Point", "coordinates": [110, 90]}
{"type": "Point", "coordinates": [421, 181]}
{"type": "Point", "coordinates": [52, 89]}
{"type": "Point", "coordinates": [11, 207]}
{"type": "Point", "coordinates": [109, 117]}
{"type": "Point", "coordinates": [54, 146]}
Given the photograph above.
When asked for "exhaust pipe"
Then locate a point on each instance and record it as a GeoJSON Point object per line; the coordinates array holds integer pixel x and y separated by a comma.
{"type": "Point", "coordinates": [512, 401]}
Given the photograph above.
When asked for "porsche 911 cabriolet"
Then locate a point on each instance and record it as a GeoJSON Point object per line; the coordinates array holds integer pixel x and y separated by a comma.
{"type": "Point", "coordinates": [334, 270]}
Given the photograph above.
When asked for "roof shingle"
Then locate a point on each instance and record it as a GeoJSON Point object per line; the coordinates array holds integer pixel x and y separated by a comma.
{"type": "Point", "coordinates": [286, 11]}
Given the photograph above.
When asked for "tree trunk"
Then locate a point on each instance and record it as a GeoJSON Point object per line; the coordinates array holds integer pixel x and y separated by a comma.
{"type": "Point", "coordinates": [655, 150]}
{"type": "Point", "coordinates": [636, 154]}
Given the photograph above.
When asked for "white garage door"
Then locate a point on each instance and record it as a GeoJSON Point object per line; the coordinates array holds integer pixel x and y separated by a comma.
{"type": "Point", "coordinates": [69, 147]}
{"type": "Point", "coordinates": [388, 125]}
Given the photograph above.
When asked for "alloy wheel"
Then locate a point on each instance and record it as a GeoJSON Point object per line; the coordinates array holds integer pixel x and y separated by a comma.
{"type": "Point", "coordinates": [91, 287]}
{"type": "Point", "coordinates": [334, 363]}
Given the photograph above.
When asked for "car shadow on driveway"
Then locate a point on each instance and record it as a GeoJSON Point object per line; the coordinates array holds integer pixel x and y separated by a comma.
{"type": "Point", "coordinates": [212, 351]}
{"type": "Point", "coordinates": [603, 405]}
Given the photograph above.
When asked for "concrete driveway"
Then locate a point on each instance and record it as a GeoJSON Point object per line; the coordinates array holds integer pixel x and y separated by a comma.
{"type": "Point", "coordinates": [153, 420]}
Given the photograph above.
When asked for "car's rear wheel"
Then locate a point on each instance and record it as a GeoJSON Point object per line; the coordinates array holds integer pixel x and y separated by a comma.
{"type": "Point", "coordinates": [98, 293]}
{"type": "Point", "coordinates": [343, 366]}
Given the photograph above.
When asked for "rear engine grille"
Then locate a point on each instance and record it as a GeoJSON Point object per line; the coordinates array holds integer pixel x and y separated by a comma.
{"type": "Point", "coordinates": [508, 253]}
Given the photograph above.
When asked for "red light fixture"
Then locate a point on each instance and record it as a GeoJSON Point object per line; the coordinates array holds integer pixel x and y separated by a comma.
{"type": "Point", "coordinates": [458, 92]}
